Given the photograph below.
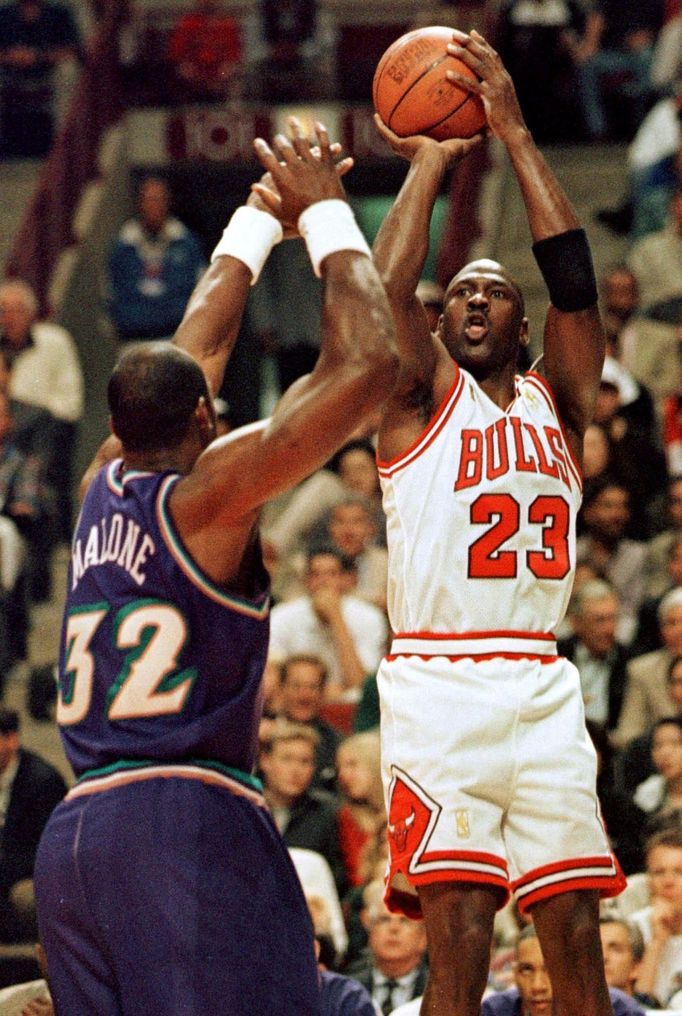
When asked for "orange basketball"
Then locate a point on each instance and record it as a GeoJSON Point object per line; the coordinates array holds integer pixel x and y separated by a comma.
{"type": "Point", "coordinates": [412, 95]}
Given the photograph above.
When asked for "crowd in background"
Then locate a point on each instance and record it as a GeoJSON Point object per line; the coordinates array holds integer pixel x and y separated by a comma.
{"type": "Point", "coordinates": [615, 72]}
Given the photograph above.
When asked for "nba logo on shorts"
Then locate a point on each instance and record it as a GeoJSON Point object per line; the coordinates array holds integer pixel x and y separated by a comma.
{"type": "Point", "coordinates": [462, 823]}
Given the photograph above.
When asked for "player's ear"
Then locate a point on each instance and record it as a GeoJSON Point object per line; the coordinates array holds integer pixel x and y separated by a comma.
{"type": "Point", "coordinates": [524, 333]}
{"type": "Point", "coordinates": [205, 416]}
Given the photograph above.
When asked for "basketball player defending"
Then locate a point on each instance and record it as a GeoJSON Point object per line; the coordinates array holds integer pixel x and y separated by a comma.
{"type": "Point", "coordinates": [163, 885]}
{"type": "Point", "coordinates": [490, 775]}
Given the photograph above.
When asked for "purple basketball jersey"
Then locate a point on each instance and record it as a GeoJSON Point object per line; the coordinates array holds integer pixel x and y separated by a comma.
{"type": "Point", "coordinates": [157, 663]}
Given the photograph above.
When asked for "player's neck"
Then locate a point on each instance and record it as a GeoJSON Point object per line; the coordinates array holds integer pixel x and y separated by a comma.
{"type": "Point", "coordinates": [175, 459]}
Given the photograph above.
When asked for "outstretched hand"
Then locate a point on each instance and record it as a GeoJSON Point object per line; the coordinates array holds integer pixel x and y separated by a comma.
{"type": "Point", "coordinates": [493, 82]}
{"type": "Point", "coordinates": [407, 148]}
{"type": "Point", "coordinates": [297, 175]}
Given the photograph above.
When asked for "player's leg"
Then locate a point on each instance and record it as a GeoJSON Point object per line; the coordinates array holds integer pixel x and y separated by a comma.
{"type": "Point", "coordinates": [80, 977]}
{"type": "Point", "coordinates": [459, 924]}
{"type": "Point", "coordinates": [568, 931]}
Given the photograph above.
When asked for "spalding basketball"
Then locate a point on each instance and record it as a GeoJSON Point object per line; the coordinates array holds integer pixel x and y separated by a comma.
{"type": "Point", "coordinates": [412, 95]}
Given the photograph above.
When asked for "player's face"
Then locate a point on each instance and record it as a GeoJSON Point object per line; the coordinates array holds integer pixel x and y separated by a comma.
{"type": "Point", "coordinates": [482, 324]}
{"type": "Point", "coordinates": [619, 963]}
{"type": "Point", "coordinates": [532, 979]}
{"type": "Point", "coordinates": [664, 865]}
{"type": "Point", "coordinates": [666, 751]}
{"type": "Point", "coordinates": [301, 693]}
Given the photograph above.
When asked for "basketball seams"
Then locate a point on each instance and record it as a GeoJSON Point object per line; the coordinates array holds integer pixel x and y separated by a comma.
{"type": "Point", "coordinates": [425, 73]}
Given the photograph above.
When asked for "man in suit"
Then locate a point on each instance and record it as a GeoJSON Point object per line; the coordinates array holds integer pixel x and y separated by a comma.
{"type": "Point", "coordinates": [30, 789]}
{"type": "Point", "coordinates": [647, 695]}
{"type": "Point", "coordinates": [393, 968]}
{"type": "Point", "coordinates": [593, 648]}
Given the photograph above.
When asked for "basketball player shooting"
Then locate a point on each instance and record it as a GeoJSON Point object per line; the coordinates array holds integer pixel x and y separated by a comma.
{"type": "Point", "coordinates": [163, 885]}
{"type": "Point", "coordinates": [490, 775]}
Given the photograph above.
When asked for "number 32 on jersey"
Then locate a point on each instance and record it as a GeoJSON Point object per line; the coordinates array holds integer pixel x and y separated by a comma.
{"type": "Point", "coordinates": [150, 635]}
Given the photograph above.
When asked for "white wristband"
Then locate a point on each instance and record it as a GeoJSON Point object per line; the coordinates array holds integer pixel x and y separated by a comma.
{"type": "Point", "coordinates": [249, 236]}
{"type": "Point", "coordinates": [330, 226]}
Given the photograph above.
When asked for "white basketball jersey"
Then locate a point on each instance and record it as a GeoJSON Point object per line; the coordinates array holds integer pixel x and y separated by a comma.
{"type": "Point", "coordinates": [481, 514]}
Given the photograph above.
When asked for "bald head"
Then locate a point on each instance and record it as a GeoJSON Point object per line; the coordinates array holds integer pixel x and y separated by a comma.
{"type": "Point", "coordinates": [153, 392]}
{"type": "Point", "coordinates": [486, 268]}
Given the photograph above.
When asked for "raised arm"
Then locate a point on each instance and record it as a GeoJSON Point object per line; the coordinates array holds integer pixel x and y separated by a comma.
{"type": "Point", "coordinates": [402, 245]}
{"type": "Point", "coordinates": [573, 338]}
{"type": "Point", "coordinates": [355, 371]}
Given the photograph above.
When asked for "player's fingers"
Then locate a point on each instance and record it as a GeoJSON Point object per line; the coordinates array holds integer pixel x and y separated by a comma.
{"type": "Point", "coordinates": [299, 139]}
{"type": "Point", "coordinates": [284, 150]}
{"type": "Point", "coordinates": [385, 131]}
{"type": "Point", "coordinates": [344, 165]}
{"type": "Point", "coordinates": [464, 81]}
{"type": "Point", "coordinates": [268, 197]}
{"type": "Point", "coordinates": [266, 156]}
{"type": "Point", "coordinates": [323, 142]}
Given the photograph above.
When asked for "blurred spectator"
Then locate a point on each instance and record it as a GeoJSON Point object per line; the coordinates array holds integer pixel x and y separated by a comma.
{"type": "Point", "coordinates": [289, 328]}
{"type": "Point", "coordinates": [30, 998]}
{"type": "Point", "coordinates": [647, 695]}
{"type": "Point", "coordinates": [28, 522]}
{"type": "Point", "coordinates": [30, 789]}
{"type": "Point", "coordinates": [656, 569]}
{"type": "Point", "coordinates": [302, 680]}
{"type": "Point", "coordinates": [661, 922]}
{"type": "Point", "coordinates": [619, 300]}
{"type": "Point", "coordinates": [672, 418]}
{"type": "Point", "coordinates": [593, 648]}
{"type": "Point", "coordinates": [431, 294]}
{"type": "Point", "coordinates": [362, 813]}
{"type": "Point", "coordinates": [317, 881]}
{"type": "Point", "coordinates": [394, 966]}
{"type": "Point", "coordinates": [652, 203]}
{"type": "Point", "coordinates": [340, 995]}
{"type": "Point", "coordinates": [290, 71]}
{"type": "Point", "coordinates": [617, 45]}
{"type": "Point", "coordinates": [371, 866]}
{"type": "Point", "coordinates": [351, 528]}
{"type": "Point", "coordinates": [666, 66]}
{"type": "Point", "coordinates": [532, 994]}
{"type": "Point", "coordinates": [347, 633]}
{"type": "Point", "coordinates": [623, 948]}
{"type": "Point", "coordinates": [656, 261]}
{"type": "Point", "coordinates": [648, 635]}
{"type": "Point", "coordinates": [153, 266]}
{"type": "Point", "coordinates": [35, 36]}
{"type": "Point", "coordinates": [633, 764]}
{"type": "Point", "coordinates": [34, 430]}
{"type": "Point", "coordinates": [535, 41]}
{"type": "Point", "coordinates": [300, 522]}
{"type": "Point", "coordinates": [45, 371]}
{"type": "Point", "coordinates": [661, 793]}
{"type": "Point", "coordinates": [205, 50]}
{"type": "Point", "coordinates": [623, 820]}
{"type": "Point", "coordinates": [618, 559]}
{"type": "Point", "coordinates": [624, 408]}
{"type": "Point", "coordinates": [305, 817]}
{"type": "Point", "coordinates": [658, 137]}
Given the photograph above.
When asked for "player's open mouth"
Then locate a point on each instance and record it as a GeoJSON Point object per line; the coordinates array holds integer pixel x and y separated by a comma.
{"type": "Point", "coordinates": [476, 327]}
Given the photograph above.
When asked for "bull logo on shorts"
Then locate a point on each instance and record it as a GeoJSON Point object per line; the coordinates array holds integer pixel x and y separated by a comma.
{"type": "Point", "coordinates": [410, 814]}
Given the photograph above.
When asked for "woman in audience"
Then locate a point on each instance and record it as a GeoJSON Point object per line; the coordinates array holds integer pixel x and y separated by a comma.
{"type": "Point", "coordinates": [362, 811]}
